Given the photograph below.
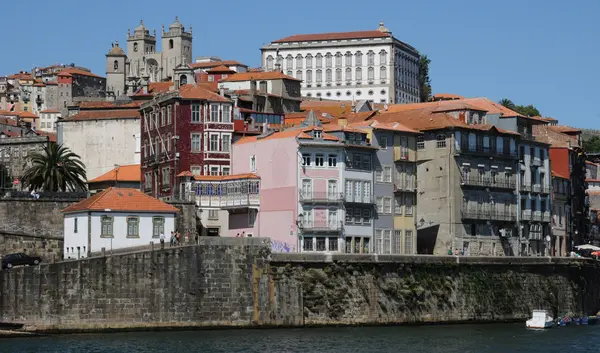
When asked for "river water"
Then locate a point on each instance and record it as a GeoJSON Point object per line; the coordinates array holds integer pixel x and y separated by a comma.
{"type": "Point", "coordinates": [438, 339]}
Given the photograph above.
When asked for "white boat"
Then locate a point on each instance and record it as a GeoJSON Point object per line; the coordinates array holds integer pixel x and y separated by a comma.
{"type": "Point", "coordinates": [540, 319]}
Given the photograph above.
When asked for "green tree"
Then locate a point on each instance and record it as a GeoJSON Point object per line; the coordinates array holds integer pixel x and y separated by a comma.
{"type": "Point", "coordinates": [424, 80]}
{"type": "Point", "coordinates": [527, 110]}
{"type": "Point", "coordinates": [55, 169]}
{"type": "Point", "coordinates": [592, 144]}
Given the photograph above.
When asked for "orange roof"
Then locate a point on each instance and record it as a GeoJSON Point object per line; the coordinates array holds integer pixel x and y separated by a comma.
{"type": "Point", "coordinates": [39, 85]}
{"type": "Point", "coordinates": [296, 118]}
{"type": "Point", "coordinates": [224, 177]}
{"type": "Point", "coordinates": [332, 128]}
{"type": "Point", "coordinates": [197, 92]}
{"type": "Point", "coordinates": [8, 121]}
{"type": "Point", "coordinates": [447, 96]}
{"type": "Point", "coordinates": [392, 126]}
{"type": "Point", "coordinates": [122, 200]}
{"type": "Point", "coordinates": [333, 108]}
{"type": "Point", "coordinates": [219, 69]}
{"type": "Point", "coordinates": [333, 36]}
{"type": "Point", "coordinates": [51, 136]}
{"type": "Point", "coordinates": [249, 76]}
{"type": "Point", "coordinates": [108, 105]}
{"type": "Point", "coordinates": [565, 129]}
{"type": "Point", "coordinates": [51, 83]}
{"type": "Point", "coordinates": [74, 71]}
{"type": "Point", "coordinates": [155, 88]}
{"type": "Point", "coordinates": [211, 86]}
{"type": "Point", "coordinates": [130, 172]}
{"type": "Point", "coordinates": [7, 113]}
{"type": "Point", "coordinates": [27, 115]}
{"type": "Point", "coordinates": [290, 133]}
{"type": "Point", "coordinates": [210, 64]}
{"type": "Point", "coordinates": [105, 114]}
{"type": "Point", "coordinates": [20, 76]}
{"type": "Point", "coordinates": [546, 133]}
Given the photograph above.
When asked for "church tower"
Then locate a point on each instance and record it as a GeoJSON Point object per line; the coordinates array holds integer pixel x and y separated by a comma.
{"type": "Point", "coordinates": [115, 71]}
{"type": "Point", "coordinates": [176, 47]}
{"type": "Point", "coordinates": [139, 45]}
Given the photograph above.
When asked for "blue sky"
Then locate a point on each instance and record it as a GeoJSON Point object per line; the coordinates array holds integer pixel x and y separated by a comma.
{"type": "Point", "coordinates": [537, 52]}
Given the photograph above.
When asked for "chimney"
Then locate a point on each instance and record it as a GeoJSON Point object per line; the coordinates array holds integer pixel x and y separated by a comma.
{"type": "Point", "coordinates": [342, 121]}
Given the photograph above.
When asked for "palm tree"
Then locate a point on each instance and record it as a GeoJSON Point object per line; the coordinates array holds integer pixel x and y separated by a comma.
{"type": "Point", "coordinates": [55, 169]}
{"type": "Point", "coordinates": [507, 103]}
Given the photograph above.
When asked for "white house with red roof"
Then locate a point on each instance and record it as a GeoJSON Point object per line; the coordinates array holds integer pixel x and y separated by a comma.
{"type": "Point", "coordinates": [115, 218]}
{"type": "Point", "coordinates": [371, 65]}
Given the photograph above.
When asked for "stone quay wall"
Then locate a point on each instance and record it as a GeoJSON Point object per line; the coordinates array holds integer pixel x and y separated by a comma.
{"type": "Point", "coordinates": [237, 282]}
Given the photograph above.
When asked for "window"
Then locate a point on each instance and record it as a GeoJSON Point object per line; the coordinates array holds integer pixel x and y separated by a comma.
{"type": "Point", "coordinates": [75, 225]}
{"type": "Point", "coordinates": [317, 134]}
{"type": "Point", "coordinates": [441, 141]}
{"type": "Point", "coordinates": [307, 244]}
{"type": "Point", "coordinates": [214, 171]}
{"type": "Point", "coordinates": [398, 205]}
{"type": "Point", "coordinates": [408, 242]}
{"type": "Point", "coordinates": [328, 77]}
{"type": "Point", "coordinates": [196, 170]}
{"type": "Point", "coordinates": [397, 242]}
{"type": "Point", "coordinates": [107, 226]}
{"type": "Point", "coordinates": [338, 59]}
{"type": "Point", "coordinates": [382, 57]}
{"type": "Point", "coordinates": [348, 75]}
{"type": "Point", "coordinates": [226, 113]}
{"type": "Point", "coordinates": [214, 142]}
{"type": "Point", "coordinates": [319, 60]}
{"type": "Point", "coordinates": [377, 247]}
{"type": "Point", "coordinates": [299, 62]}
{"type": "Point", "coordinates": [309, 58]}
{"type": "Point", "coordinates": [213, 214]}
{"type": "Point", "coordinates": [116, 65]}
{"type": "Point", "coordinates": [299, 75]}
{"type": "Point", "coordinates": [370, 74]}
{"type": "Point", "coordinates": [332, 160]}
{"type": "Point", "coordinates": [253, 163]}
{"type": "Point", "coordinates": [358, 60]}
{"type": "Point", "coordinates": [166, 176]}
{"type": "Point", "coordinates": [387, 205]}
{"type": "Point", "coordinates": [214, 112]}
{"type": "Point", "coordinates": [158, 226]}
{"type": "Point", "coordinates": [370, 58]}
{"type": "Point", "coordinates": [319, 160]}
{"type": "Point", "coordinates": [195, 113]}
{"type": "Point", "coordinates": [383, 142]}
{"type": "Point", "coordinates": [133, 227]}
{"type": "Point", "coordinates": [289, 62]}
{"type": "Point", "coordinates": [333, 244]}
{"type": "Point", "coordinates": [319, 76]}
{"type": "Point", "coordinates": [225, 171]}
{"type": "Point", "coordinates": [308, 76]}
{"type": "Point", "coordinates": [251, 217]}
{"type": "Point", "coordinates": [409, 205]}
{"type": "Point", "coordinates": [348, 56]}
{"type": "Point", "coordinates": [289, 73]}
{"type": "Point", "coordinates": [338, 75]}
{"type": "Point", "coordinates": [387, 241]}
{"type": "Point", "coordinates": [328, 60]}
{"type": "Point", "coordinates": [135, 47]}
{"type": "Point", "coordinates": [387, 174]}
{"type": "Point", "coordinates": [269, 63]}
{"type": "Point", "coordinates": [168, 115]}
{"type": "Point", "coordinates": [358, 74]}
{"type": "Point", "coordinates": [196, 142]}
{"type": "Point", "coordinates": [226, 143]}
{"type": "Point", "coordinates": [383, 73]}
{"type": "Point", "coordinates": [306, 159]}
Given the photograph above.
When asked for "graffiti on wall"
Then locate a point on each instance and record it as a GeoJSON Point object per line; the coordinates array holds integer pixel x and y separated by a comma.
{"type": "Point", "coordinates": [280, 246]}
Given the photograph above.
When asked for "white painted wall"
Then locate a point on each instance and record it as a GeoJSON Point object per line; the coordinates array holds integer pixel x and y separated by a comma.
{"type": "Point", "coordinates": [102, 143]}
{"type": "Point", "coordinates": [119, 240]}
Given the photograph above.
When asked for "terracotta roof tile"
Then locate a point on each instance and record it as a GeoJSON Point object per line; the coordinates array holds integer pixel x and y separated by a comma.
{"type": "Point", "coordinates": [333, 36]}
{"type": "Point", "coordinates": [51, 83]}
{"type": "Point", "coordinates": [130, 173]}
{"type": "Point", "coordinates": [334, 108]}
{"type": "Point", "coordinates": [332, 128]}
{"type": "Point", "coordinates": [225, 177]}
{"type": "Point", "coordinates": [108, 105]}
{"type": "Point", "coordinates": [249, 76]}
{"type": "Point", "coordinates": [564, 129]}
{"type": "Point", "coordinates": [155, 88]}
{"type": "Point", "coordinates": [211, 64]}
{"type": "Point", "coordinates": [20, 76]}
{"type": "Point", "coordinates": [290, 133]}
{"type": "Point", "coordinates": [220, 69]}
{"type": "Point", "coordinates": [329, 137]}
{"type": "Point", "coordinates": [545, 133]}
{"type": "Point", "coordinates": [104, 114]}
{"type": "Point", "coordinates": [27, 115]}
{"type": "Point", "coordinates": [197, 92]}
{"type": "Point", "coordinates": [8, 121]}
{"type": "Point", "coordinates": [51, 136]}
{"type": "Point", "coordinates": [75, 71]}
{"type": "Point", "coordinates": [122, 200]}
{"type": "Point", "coordinates": [447, 96]}
{"type": "Point", "coordinates": [391, 126]}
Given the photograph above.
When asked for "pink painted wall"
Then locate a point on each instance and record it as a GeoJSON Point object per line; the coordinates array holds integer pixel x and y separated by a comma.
{"type": "Point", "coordinates": [278, 189]}
{"type": "Point", "coordinates": [238, 223]}
{"type": "Point", "coordinates": [320, 173]}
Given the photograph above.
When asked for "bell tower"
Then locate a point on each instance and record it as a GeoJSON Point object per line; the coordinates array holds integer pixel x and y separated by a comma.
{"type": "Point", "coordinates": [176, 47]}
{"type": "Point", "coordinates": [139, 45]}
{"type": "Point", "coordinates": [115, 71]}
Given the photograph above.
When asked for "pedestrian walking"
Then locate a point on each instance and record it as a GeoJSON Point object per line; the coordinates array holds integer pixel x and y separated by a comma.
{"type": "Point", "coordinates": [172, 240]}
{"type": "Point", "coordinates": [162, 240]}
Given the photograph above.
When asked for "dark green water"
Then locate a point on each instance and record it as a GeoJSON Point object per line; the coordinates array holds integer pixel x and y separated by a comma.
{"type": "Point", "coordinates": [439, 339]}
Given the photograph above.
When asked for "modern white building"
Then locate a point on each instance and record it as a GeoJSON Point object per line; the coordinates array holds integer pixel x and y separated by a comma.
{"type": "Point", "coordinates": [371, 65]}
{"type": "Point", "coordinates": [115, 218]}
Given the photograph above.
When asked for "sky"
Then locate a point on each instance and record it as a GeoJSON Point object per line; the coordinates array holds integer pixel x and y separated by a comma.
{"type": "Point", "coordinates": [540, 52]}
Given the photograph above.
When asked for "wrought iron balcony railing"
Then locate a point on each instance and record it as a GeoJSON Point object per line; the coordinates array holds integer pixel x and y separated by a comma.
{"type": "Point", "coordinates": [320, 197]}
{"type": "Point", "coordinates": [489, 183]}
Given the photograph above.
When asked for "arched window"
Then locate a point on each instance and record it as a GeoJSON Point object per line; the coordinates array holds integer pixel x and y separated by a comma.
{"type": "Point", "coordinates": [370, 58]}
{"type": "Point", "coordinates": [358, 59]}
{"type": "Point", "coordinates": [338, 75]}
{"type": "Point", "coordinates": [116, 65]}
{"type": "Point", "coordinates": [309, 61]}
{"type": "Point", "coordinates": [299, 75]}
{"type": "Point", "coordinates": [383, 73]}
{"type": "Point", "coordinates": [371, 74]}
{"type": "Point", "coordinates": [308, 76]}
{"type": "Point", "coordinates": [298, 61]}
{"type": "Point", "coordinates": [289, 62]}
{"type": "Point", "coordinates": [319, 76]}
{"type": "Point", "coordinates": [382, 57]}
{"type": "Point", "coordinates": [135, 47]}
{"type": "Point", "coordinates": [289, 73]}
{"type": "Point", "coordinates": [328, 75]}
{"type": "Point", "coordinates": [328, 60]}
{"type": "Point", "coordinates": [319, 58]}
{"type": "Point", "coordinates": [348, 58]}
{"type": "Point", "coordinates": [279, 61]}
{"type": "Point", "coordinates": [348, 75]}
{"type": "Point", "coordinates": [338, 59]}
{"type": "Point", "coordinates": [269, 63]}
{"type": "Point", "coordinates": [358, 74]}
{"type": "Point", "coordinates": [170, 43]}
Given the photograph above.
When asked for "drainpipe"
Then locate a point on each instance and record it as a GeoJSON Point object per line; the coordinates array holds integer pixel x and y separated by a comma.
{"type": "Point", "coordinates": [89, 228]}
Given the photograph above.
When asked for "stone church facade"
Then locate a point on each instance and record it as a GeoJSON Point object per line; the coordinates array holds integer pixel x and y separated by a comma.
{"type": "Point", "coordinates": [143, 63]}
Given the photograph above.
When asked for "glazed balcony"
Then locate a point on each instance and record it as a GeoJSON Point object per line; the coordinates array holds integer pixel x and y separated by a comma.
{"type": "Point", "coordinates": [321, 227]}
{"type": "Point", "coordinates": [489, 183]}
{"type": "Point", "coordinates": [405, 185]}
{"type": "Point", "coordinates": [526, 215]}
{"type": "Point", "coordinates": [480, 150]}
{"type": "Point", "coordinates": [359, 199]}
{"type": "Point", "coordinates": [317, 197]}
{"type": "Point", "coordinates": [488, 215]}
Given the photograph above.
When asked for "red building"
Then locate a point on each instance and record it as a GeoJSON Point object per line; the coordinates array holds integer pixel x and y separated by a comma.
{"type": "Point", "coordinates": [187, 129]}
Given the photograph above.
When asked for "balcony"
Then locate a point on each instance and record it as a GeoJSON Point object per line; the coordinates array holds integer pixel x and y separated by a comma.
{"type": "Point", "coordinates": [481, 150]}
{"type": "Point", "coordinates": [488, 215]}
{"type": "Point", "coordinates": [359, 199]}
{"type": "Point", "coordinates": [536, 216]}
{"type": "Point", "coordinates": [527, 135]}
{"type": "Point", "coordinates": [321, 227]}
{"type": "Point", "coordinates": [405, 185]}
{"type": "Point", "coordinates": [546, 217]}
{"type": "Point", "coordinates": [524, 187]}
{"type": "Point", "coordinates": [489, 183]}
{"type": "Point", "coordinates": [536, 162]}
{"type": "Point", "coordinates": [320, 197]}
{"type": "Point", "coordinates": [526, 215]}
{"type": "Point", "coordinates": [402, 156]}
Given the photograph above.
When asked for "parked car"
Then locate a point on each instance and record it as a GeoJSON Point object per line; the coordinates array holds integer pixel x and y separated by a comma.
{"type": "Point", "coordinates": [18, 259]}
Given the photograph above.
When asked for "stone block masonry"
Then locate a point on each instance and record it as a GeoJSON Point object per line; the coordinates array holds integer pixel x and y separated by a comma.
{"type": "Point", "coordinates": [50, 249]}
{"type": "Point", "coordinates": [237, 282]}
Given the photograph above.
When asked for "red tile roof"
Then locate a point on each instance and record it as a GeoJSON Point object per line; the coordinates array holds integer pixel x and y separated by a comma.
{"type": "Point", "coordinates": [198, 92]}
{"type": "Point", "coordinates": [391, 126]}
{"type": "Point", "coordinates": [20, 76]}
{"type": "Point", "coordinates": [155, 88]}
{"type": "Point", "coordinates": [51, 136]}
{"type": "Point", "coordinates": [27, 115]}
{"type": "Point", "coordinates": [257, 76]}
{"type": "Point", "coordinates": [565, 129]}
{"type": "Point", "coordinates": [108, 105]}
{"type": "Point", "coordinates": [220, 69]}
{"type": "Point", "coordinates": [122, 200]}
{"type": "Point", "coordinates": [210, 64]}
{"type": "Point", "coordinates": [447, 96]}
{"type": "Point", "coordinates": [333, 36]}
{"type": "Point", "coordinates": [130, 173]}
{"type": "Point", "coordinates": [8, 121]}
{"type": "Point", "coordinates": [74, 71]}
{"type": "Point", "coordinates": [51, 83]}
{"type": "Point", "coordinates": [104, 115]}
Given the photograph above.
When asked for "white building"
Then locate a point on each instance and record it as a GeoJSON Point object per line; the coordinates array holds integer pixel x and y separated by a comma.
{"type": "Point", "coordinates": [371, 65]}
{"type": "Point", "coordinates": [115, 218]}
{"type": "Point", "coordinates": [48, 120]}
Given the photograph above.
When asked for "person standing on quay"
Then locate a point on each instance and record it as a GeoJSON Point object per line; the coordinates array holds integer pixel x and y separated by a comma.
{"type": "Point", "coordinates": [162, 240]}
